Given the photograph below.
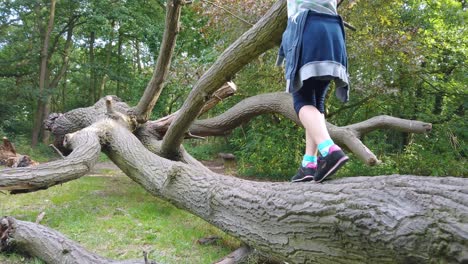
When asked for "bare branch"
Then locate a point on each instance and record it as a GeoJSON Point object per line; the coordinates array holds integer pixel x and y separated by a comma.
{"type": "Point", "coordinates": [155, 86]}
{"type": "Point", "coordinates": [86, 148]}
{"type": "Point", "coordinates": [159, 127]}
{"type": "Point", "coordinates": [237, 256]}
{"type": "Point", "coordinates": [264, 35]}
{"type": "Point", "coordinates": [280, 103]}
{"type": "Point", "coordinates": [389, 122]}
{"type": "Point", "coordinates": [229, 12]}
{"type": "Point", "coordinates": [395, 214]}
{"type": "Point", "coordinates": [244, 111]}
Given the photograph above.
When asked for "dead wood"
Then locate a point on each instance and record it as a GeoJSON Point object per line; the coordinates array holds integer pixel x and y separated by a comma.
{"type": "Point", "coordinates": [86, 148]}
{"type": "Point", "coordinates": [158, 128]}
{"type": "Point", "coordinates": [7, 150]}
{"type": "Point", "coordinates": [240, 255]}
{"type": "Point", "coordinates": [281, 103]}
{"type": "Point", "coordinates": [10, 158]}
{"type": "Point", "coordinates": [48, 245]}
{"type": "Point", "coordinates": [385, 219]}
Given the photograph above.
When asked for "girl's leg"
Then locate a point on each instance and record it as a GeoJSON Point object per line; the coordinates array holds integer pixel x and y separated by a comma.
{"type": "Point", "coordinates": [314, 124]}
{"type": "Point", "coordinates": [311, 114]}
{"type": "Point", "coordinates": [304, 98]}
{"type": "Point", "coordinates": [309, 104]}
{"type": "Point", "coordinates": [332, 155]}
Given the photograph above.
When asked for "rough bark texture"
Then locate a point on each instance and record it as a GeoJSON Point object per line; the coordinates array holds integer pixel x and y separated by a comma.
{"type": "Point", "coordinates": [48, 245]}
{"type": "Point", "coordinates": [386, 219]}
{"type": "Point", "coordinates": [364, 219]}
{"type": "Point", "coordinates": [159, 127]}
{"type": "Point", "coordinates": [61, 124]}
{"type": "Point", "coordinates": [281, 103]}
{"type": "Point", "coordinates": [86, 149]}
{"type": "Point", "coordinates": [389, 219]}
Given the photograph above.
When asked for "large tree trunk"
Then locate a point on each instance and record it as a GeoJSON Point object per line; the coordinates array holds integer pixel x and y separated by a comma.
{"type": "Point", "coordinates": [386, 219]}
{"type": "Point", "coordinates": [396, 218]}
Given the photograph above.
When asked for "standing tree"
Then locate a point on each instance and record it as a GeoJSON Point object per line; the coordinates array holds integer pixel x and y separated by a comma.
{"type": "Point", "coordinates": [396, 218]}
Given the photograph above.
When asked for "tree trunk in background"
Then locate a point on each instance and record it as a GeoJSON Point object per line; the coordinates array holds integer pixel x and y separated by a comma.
{"type": "Point", "coordinates": [438, 103]}
{"type": "Point", "coordinates": [92, 73]}
{"type": "Point", "coordinates": [138, 60]}
{"type": "Point", "coordinates": [55, 81]}
{"type": "Point", "coordinates": [119, 59]}
{"type": "Point", "coordinates": [64, 94]}
{"type": "Point", "coordinates": [102, 86]}
{"type": "Point", "coordinates": [37, 127]}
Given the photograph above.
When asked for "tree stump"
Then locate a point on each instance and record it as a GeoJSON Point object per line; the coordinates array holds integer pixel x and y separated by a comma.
{"type": "Point", "coordinates": [229, 161]}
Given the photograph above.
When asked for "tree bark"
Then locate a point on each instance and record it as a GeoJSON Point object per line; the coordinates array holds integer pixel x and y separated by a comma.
{"type": "Point", "coordinates": [155, 86]}
{"type": "Point", "coordinates": [86, 149]}
{"type": "Point", "coordinates": [92, 72]}
{"type": "Point", "coordinates": [281, 103]}
{"type": "Point", "coordinates": [62, 71]}
{"type": "Point", "coordinates": [105, 77]}
{"type": "Point", "coordinates": [263, 36]}
{"type": "Point", "coordinates": [385, 219]}
{"type": "Point", "coordinates": [396, 218]}
{"type": "Point", "coordinates": [49, 245]}
{"type": "Point", "coordinates": [42, 101]}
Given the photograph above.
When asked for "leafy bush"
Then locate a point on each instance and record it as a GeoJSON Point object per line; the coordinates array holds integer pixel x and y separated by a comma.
{"type": "Point", "coordinates": [268, 149]}
{"type": "Point", "coordinates": [206, 149]}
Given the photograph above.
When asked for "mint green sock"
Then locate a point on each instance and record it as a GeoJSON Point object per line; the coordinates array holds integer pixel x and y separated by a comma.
{"type": "Point", "coordinates": [325, 146]}
{"type": "Point", "coordinates": [308, 159]}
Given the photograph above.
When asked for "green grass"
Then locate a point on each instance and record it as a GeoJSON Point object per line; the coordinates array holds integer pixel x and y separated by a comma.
{"type": "Point", "coordinates": [115, 218]}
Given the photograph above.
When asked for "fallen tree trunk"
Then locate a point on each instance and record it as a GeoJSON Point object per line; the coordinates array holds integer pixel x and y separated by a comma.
{"type": "Point", "coordinates": [49, 245]}
{"type": "Point", "coordinates": [363, 219]}
{"type": "Point", "coordinates": [387, 219]}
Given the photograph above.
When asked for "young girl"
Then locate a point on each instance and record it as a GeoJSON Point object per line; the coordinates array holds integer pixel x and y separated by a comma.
{"type": "Point", "coordinates": [314, 47]}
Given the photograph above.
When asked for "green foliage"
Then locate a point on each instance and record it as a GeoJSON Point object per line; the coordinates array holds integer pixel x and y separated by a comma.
{"type": "Point", "coordinates": [407, 59]}
{"type": "Point", "coordinates": [270, 147]}
{"type": "Point", "coordinates": [207, 149]}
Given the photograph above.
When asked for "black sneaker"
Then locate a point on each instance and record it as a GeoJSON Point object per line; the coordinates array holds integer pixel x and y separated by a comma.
{"type": "Point", "coordinates": [305, 174]}
{"type": "Point", "coordinates": [330, 164]}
